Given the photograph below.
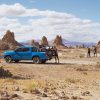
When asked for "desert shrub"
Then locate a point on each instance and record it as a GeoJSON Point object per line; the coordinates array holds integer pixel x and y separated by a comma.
{"type": "Point", "coordinates": [81, 55]}
{"type": "Point", "coordinates": [32, 86]}
{"type": "Point", "coordinates": [69, 80]}
{"type": "Point", "coordinates": [4, 73]}
{"type": "Point", "coordinates": [81, 69]}
{"type": "Point", "coordinates": [98, 64]}
{"type": "Point", "coordinates": [85, 73]}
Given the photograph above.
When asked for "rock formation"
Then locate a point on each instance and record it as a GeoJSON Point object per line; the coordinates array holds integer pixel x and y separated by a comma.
{"type": "Point", "coordinates": [3, 45]}
{"type": "Point", "coordinates": [8, 41]}
{"type": "Point", "coordinates": [98, 44]}
{"type": "Point", "coordinates": [10, 38]}
{"type": "Point", "coordinates": [44, 41]}
{"type": "Point", "coordinates": [58, 41]}
{"type": "Point", "coordinates": [34, 43]}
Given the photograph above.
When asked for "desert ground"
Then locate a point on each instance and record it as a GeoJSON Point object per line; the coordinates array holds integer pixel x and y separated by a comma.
{"type": "Point", "coordinates": [76, 77]}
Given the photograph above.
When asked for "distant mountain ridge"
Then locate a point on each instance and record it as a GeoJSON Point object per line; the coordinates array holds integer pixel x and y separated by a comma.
{"type": "Point", "coordinates": [65, 42]}
{"type": "Point", "coordinates": [74, 43]}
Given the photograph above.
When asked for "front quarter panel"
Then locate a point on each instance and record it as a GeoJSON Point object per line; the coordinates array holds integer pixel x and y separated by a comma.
{"type": "Point", "coordinates": [8, 53]}
{"type": "Point", "coordinates": [12, 54]}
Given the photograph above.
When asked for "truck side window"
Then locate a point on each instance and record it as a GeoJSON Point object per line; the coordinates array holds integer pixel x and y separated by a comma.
{"type": "Point", "coordinates": [19, 50]}
{"type": "Point", "coordinates": [34, 49]}
{"type": "Point", "coordinates": [25, 49]}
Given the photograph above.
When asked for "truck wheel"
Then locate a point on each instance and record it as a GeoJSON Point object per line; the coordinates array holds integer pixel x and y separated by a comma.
{"type": "Point", "coordinates": [8, 59]}
{"type": "Point", "coordinates": [43, 61]}
{"type": "Point", "coordinates": [36, 60]}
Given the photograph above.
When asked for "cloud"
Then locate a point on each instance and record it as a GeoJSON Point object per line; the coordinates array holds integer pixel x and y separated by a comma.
{"type": "Point", "coordinates": [6, 21]}
{"type": "Point", "coordinates": [11, 10]}
{"type": "Point", "coordinates": [50, 23]}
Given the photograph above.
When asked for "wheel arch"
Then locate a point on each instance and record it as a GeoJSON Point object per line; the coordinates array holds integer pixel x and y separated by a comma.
{"type": "Point", "coordinates": [7, 55]}
{"type": "Point", "coordinates": [35, 56]}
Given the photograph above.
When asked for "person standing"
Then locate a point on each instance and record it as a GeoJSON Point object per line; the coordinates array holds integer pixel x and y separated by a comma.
{"type": "Point", "coordinates": [55, 54]}
{"type": "Point", "coordinates": [89, 52]}
{"type": "Point", "coordinates": [95, 51]}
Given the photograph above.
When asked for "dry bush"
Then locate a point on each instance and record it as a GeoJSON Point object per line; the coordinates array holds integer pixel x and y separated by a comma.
{"type": "Point", "coordinates": [84, 72]}
{"type": "Point", "coordinates": [5, 73]}
{"type": "Point", "coordinates": [81, 69]}
{"type": "Point", "coordinates": [81, 55]}
{"type": "Point", "coordinates": [98, 65]}
{"type": "Point", "coordinates": [69, 80]}
{"type": "Point", "coordinates": [31, 85]}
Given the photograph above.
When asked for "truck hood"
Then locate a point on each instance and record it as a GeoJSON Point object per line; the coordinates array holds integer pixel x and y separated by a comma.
{"type": "Point", "coordinates": [9, 52]}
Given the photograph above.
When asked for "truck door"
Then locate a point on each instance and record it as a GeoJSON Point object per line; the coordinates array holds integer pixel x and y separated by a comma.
{"type": "Point", "coordinates": [26, 54]}
{"type": "Point", "coordinates": [23, 53]}
{"type": "Point", "coordinates": [18, 54]}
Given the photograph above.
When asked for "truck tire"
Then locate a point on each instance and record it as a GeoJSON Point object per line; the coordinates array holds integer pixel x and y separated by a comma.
{"type": "Point", "coordinates": [8, 59]}
{"type": "Point", "coordinates": [36, 60]}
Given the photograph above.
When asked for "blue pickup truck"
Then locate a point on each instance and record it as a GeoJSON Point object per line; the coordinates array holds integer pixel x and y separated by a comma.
{"type": "Point", "coordinates": [26, 53]}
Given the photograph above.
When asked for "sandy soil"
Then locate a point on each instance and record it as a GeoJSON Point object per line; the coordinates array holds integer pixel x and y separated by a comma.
{"type": "Point", "coordinates": [74, 78]}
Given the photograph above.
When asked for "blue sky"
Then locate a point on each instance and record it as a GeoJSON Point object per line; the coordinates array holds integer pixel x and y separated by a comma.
{"type": "Point", "coordinates": [51, 17]}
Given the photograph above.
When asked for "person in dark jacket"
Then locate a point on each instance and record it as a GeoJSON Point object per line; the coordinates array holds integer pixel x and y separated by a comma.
{"type": "Point", "coordinates": [55, 54]}
{"type": "Point", "coordinates": [95, 51]}
{"type": "Point", "coordinates": [89, 52]}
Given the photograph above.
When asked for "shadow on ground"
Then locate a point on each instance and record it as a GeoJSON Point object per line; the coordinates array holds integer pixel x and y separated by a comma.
{"type": "Point", "coordinates": [48, 63]}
